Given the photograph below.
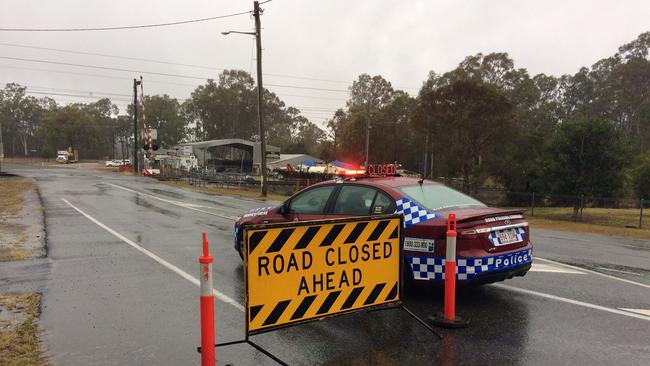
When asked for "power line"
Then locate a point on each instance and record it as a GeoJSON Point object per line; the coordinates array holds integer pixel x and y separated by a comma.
{"type": "Point", "coordinates": [152, 72]}
{"type": "Point", "coordinates": [175, 63]}
{"type": "Point", "coordinates": [313, 97]}
{"type": "Point", "coordinates": [148, 81]}
{"type": "Point", "coordinates": [317, 108]}
{"type": "Point", "coordinates": [91, 92]}
{"type": "Point", "coordinates": [110, 56]}
{"type": "Point", "coordinates": [98, 67]}
{"type": "Point", "coordinates": [306, 87]}
{"type": "Point", "coordinates": [68, 98]}
{"type": "Point", "coordinates": [122, 27]}
{"type": "Point", "coordinates": [46, 89]}
{"type": "Point", "coordinates": [126, 97]}
{"type": "Point", "coordinates": [92, 75]}
{"type": "Point", "coordinates": [70, 95]}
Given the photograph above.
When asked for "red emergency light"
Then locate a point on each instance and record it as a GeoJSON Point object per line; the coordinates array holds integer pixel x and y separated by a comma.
{"type": "Point", "coordinates": [353, 172]}
{"type": "Point", "coordinates": [373, 170]}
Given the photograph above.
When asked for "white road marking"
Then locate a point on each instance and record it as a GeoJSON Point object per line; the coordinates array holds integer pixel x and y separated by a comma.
{"type": "Point", "coordinates": [219, 295]}
{"type": "Point", "coordinates": [188, 206]}
{"type": "Point", "coordinates": [594, 272]}
{"type": "Point", "coordinates": [574, 302]}
{"type": "Point", "coordinates": [538, 267]}
{"type": "Point", "coordinates": [638, 311]}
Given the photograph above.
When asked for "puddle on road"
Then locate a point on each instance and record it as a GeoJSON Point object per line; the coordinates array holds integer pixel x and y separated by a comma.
{"type": "Point", "coordinates": [611, 269]}
{"type": "Point", "coordinates": [167, 193]}
{"type": "Point", "coordinates": [100, 191]}
{"type": "Point", "coordinates": [221, 227]}
{"type": "Point", "coordinates": [144, 203]}
{"type": "Point", "coordinates": [220, 204]}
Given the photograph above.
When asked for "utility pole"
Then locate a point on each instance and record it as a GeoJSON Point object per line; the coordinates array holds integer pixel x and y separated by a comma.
{"type": "Point", "coordinates": [260, 93]}
{"type": "Point", "coordinates": [135, 125]}
{"type": "Point", "coordinates": [113, 144]}
{"type": "Point", "coordinates": [2, 148]}
{"type": "Point", "coordinates": [367, 150]}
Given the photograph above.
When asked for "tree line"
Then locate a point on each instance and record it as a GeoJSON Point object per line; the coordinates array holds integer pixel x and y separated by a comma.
{"type": "Point", "coordinates": [486, 122]}
{"type": "Point", "coordinates": [219, 109]}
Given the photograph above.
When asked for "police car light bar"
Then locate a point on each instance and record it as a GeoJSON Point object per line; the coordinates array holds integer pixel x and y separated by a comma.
{"type": "Point", "coordinates": [374, 170]}
{"type": "Point", "coordinates": [353, 172]}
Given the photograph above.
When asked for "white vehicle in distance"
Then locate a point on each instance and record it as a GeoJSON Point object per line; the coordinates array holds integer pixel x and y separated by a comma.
{"type": "Point", "coordinates": [114, 163]}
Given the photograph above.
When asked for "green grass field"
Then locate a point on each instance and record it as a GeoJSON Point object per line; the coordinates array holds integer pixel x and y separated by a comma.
{"type": "Point", "coordinates": [607, 221]}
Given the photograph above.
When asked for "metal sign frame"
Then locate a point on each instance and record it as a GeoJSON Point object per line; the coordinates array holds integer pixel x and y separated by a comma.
{"type": "Point", "coordinates": [383, 305]}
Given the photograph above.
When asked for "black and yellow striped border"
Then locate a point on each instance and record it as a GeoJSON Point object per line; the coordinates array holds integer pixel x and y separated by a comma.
{"type": "Point", "coordinates": [356, 298]}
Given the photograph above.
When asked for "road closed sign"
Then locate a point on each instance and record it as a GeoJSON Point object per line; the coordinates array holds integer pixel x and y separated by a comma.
{"type": "Point", "coordinates": [303, 271]}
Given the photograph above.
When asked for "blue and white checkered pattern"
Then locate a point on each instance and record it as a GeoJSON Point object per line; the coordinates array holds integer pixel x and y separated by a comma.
{"type": "Point", "coordinates": [433, 268]}
{"type": "Point", "coordinates": [413, 214]}
{"type": "Point", "coordinates": [519, 231]}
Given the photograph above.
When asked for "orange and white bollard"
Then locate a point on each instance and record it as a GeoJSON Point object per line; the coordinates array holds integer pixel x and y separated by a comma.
{"type": "Point", "coordinates": [207, 307]}
{"type": "Point", "coordinates": [449, 319]}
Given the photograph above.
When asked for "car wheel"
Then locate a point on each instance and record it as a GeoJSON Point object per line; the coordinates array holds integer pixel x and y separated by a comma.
{"type": "Point", "coordinates": [240, 243]}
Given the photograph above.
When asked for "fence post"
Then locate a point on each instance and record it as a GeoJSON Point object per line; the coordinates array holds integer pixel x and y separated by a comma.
{"type": "Point", "coordinates": [582, 204]}
{"type": "Point", "coordinates": [641, 213]}
{"type": "Point", "coordinates": [532, 206]}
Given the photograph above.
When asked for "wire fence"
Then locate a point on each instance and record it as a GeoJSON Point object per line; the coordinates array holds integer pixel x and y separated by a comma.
{"type": "Point", "coordinates": [278, 184]}
{"type": "Point", "coordinates": [608, 211]}
{"type": "Point", "coordinates": [622, 212]}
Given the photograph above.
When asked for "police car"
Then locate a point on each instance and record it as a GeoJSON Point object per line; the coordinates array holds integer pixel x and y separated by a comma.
{"type": "Point", "coordinates": [493, 244]}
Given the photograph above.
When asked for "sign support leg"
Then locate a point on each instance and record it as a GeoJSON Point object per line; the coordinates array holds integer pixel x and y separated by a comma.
{"type": "Point", "coordinates": [419, 320]}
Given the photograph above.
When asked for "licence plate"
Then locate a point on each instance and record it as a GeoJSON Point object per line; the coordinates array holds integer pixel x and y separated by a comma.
{"type": "Point", "coordinates": [507, 236]}
{"type": "Point", "coordinates": [419, 244]}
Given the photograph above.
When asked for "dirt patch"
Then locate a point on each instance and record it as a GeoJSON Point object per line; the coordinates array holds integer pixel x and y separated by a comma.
{"type": "Point", "coordinates": [21, 219]}
{"type": "Point", "coordinates": [19, 334]}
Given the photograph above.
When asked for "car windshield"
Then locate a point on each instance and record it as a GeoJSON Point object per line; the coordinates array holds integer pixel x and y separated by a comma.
{"type": "Point", "coordinates": [436, 197]}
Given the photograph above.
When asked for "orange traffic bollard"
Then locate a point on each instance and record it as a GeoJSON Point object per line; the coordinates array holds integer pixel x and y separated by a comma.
{"type": "Point", "coordinates": [207, 307]}
{"type": "Point", "coordinates": [449, 319]}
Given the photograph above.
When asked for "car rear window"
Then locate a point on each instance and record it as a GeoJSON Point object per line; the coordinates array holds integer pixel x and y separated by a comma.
{"type": "Point", "coordinates": [354, 200]}
{"type": "Point", "coordinates": [436, 197]}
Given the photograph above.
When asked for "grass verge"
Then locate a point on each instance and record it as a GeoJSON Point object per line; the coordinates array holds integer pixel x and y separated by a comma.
{"type": "Point", "coordinates": [11, 194]}
{"type": "Point", "coordinates": [537, 222]}
{"type": "Point", "coordinates": [13, 235]}
{"type": "Point", "coordinates": [19, 343]}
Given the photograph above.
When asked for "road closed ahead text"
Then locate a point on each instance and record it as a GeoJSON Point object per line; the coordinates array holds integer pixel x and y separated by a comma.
{"type": "Point", "coordinates": [314, 269]}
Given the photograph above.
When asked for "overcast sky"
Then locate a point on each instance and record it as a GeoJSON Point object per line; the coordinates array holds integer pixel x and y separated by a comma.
{"type": "Point", "coordinates": [328, 40]}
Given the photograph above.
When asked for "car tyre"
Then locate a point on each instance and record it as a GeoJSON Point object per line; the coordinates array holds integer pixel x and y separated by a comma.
{"type": "Point", "coordinates": [240, 243]}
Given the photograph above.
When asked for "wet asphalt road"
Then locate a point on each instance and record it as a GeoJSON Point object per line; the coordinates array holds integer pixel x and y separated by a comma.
{"type": "Point", "coordinates": [106, 303]}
